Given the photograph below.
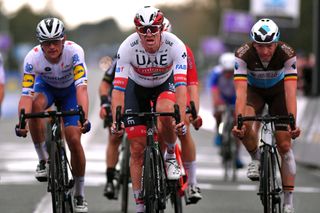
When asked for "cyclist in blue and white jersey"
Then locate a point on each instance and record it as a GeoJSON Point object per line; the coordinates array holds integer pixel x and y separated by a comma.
{"type": "Point", "coordinates": [223, 93]}
{"type": "Point", "coordinates": [55, 71]}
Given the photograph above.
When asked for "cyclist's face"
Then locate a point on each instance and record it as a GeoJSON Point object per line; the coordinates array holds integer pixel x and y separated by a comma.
{"type": "Point", "coordinates": [265, 51]}
{"type": "Point", "coordinates": [52, 49]}
{"type": "Point", "coordinates": [150, 37]}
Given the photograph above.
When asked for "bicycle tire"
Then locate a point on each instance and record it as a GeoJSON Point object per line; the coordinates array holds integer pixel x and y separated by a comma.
{"type": "Point", "coordinates": [266, 197]}
{"type": "Point", "coordinates": [54, 180]}
{"type": "Point", "coordinates": [175, 197]}
{"type": "Point", "coordinates": [275, 188]}
{"type": "Point", "coordinates": [67, 184]}
{"type": "Point", "coordinates": [149, 188]}
{"type": "Point", "coordinates": [125, 175]}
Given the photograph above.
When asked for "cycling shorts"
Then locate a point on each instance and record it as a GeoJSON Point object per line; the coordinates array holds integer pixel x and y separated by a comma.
{"type": "Point", "coordinates": [274, 97]}
{"type": "Point", "coordinates": [66, 97]}
{"type": "Point", "coordinates": [138, 99]}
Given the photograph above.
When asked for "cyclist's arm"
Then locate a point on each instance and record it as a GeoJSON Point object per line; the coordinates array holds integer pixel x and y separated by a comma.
{"type": "Point", "coordinates": [290, 86]}
{"type": "Point", "coordinates": [25, 103]}
{"type": "Point", "coordinates": [241, 86]}
{"type": "Point", "coordinates": [193, 91]}
{"type": "Point", "coordinates": [192, 78]}
{"type": "Point", "coordinates": [83, 99]}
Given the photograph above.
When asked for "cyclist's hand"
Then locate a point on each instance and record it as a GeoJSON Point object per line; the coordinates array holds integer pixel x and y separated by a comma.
{"type": "Point", "coordinates": [197, 123]}
{"type": "Point", "coordinates": [86, 126]}
{"type": "Point", "coordinates": [21, 132]}
{"type": "Point", "coordinates": [294, 133]}
{"type": "Point", "coordinates": [181, 128]}
{"type": "Point", "coordinates": [116, 132]}
{"type": "Point", "coordinates": [103, 112]}
{"type": "Point", "coordinates": [239, 133]}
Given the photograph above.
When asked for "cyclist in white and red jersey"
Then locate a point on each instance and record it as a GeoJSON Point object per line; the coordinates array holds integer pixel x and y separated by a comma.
{"type": "Point", "coordinates": [265, 73]}
{"type": "Point", "coordinates": [151, 64]}
{"type": "Point", "coordinates": [55, 71]}
{"type": "Point", "coordinates": [2, 81]}
{"type": "Point", "coordinates": [188, 148]}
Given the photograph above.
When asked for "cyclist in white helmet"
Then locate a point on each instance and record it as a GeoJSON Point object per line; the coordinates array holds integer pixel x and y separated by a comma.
{"type": "Point", "coordinates": [265, 73]}
{"type": "Point", "coordinates": [151, 64]}
{"type": "Point", "coordinates": [55, 70]}
{"type": "Point", "coordinates": [2, 81]}
{"type": "Point", "coordinates": [188, 148]}
{"type": "Point", "coordinates": [223, 93]}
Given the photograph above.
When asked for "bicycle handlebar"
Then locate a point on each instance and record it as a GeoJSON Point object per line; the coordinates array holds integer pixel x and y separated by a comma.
{"type": "Point", "coordinates": [267, 119]}
{"type": "Point", "coordinates": [23, 116]}
{"type": "Point", "coordinates": [119, 116]}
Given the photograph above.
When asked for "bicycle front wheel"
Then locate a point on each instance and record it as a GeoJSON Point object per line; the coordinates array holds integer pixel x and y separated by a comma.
{"type": "Point", "coordinates": [125, 175]}
{"type": "Point", "coordinates": [265, 182]}
{"type": "Point", "coordinates": [149, 189]}
{"type": "Point", "coordinates": [55, 180]}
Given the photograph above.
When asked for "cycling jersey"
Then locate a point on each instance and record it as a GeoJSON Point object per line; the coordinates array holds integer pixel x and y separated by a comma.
{"type": "Point", "coordinates": [151, 69]}
{"type": "Point", "coordinates": [223, 84]}
{"type": "Point", "coordinates": [2, 75]}
{"type": "Point", "coordinates": [110, 72]}
{"type": "Point", "coordinates": [248, 66]}
{"type": "Point", "coordinates": [71, 69]}
{"type": "Point", "coordinates": [192, 75]}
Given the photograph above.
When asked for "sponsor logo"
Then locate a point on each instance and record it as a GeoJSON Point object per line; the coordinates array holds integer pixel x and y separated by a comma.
{"type": "Point", "coordinates": [184, 55]}
{"type": "Point", "coordinates": [181, 67]}
{"type": "Point", "coordinates": [170, 43]}
{"type": "Point", "coordinates": [28, 67]}
{"type": "Point", "coordinates": [78, 72]}
{"type": "Point", "coordinates": [47, 69]}
{"type": "Point", "coordinates": [75, 59]}
{"type": "Point", "coordinates": [28, 81]}
{"type": "Point", "coordinates": [242, 50]}
{"type": "Point", "coordinates": [119, 69]}
{"type": "Point", "coordinates": [288, 50]}
{"type": "Point", "coordinates": [236, 65]}
{"type": "Point", "coordinates": [294, 66]}
{"type": "Point", "coordinates": [132, 44]}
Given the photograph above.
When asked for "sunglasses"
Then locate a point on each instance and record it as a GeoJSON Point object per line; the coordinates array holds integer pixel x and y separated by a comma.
{"type": "Point", "coordinates": [153, 29]}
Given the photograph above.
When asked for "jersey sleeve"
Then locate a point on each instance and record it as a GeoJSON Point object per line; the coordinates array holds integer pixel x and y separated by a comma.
{"type": "Point", "coordinates": [110, 72]}
{"type": "Point", "coordinates": [290, 69]}
{"type": "Point", "coordinates": [192, 75]}
{"type": "Point", "coordinates": [180, 64]}
{"type": "Point", "coordinates": [214, 77]}
{"type": "Point", "coordinates": [28, 79]}
{"type": "Point", "coordinates": [79, 67]}
{"type": "Point", "coordinates": [240, 70]}
{"type": "Point", "coordinates": [123, 67]}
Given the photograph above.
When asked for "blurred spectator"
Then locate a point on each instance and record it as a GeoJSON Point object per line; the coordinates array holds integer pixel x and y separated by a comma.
{"type": "Point", "coordinates": [305, 64]}
{"type": "Point", "coordinates": [2, 81]}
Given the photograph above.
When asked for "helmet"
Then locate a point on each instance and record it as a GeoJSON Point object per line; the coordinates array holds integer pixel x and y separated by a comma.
{"type": "Point", "coordinates": [166, 25]}
{"type": "Point", "coordinates": [227, 61]}
{"type": "Point", "coordinates": [148, 16]}
{"type": "Point", "coordinates": [265, 31]}
{"type": "Point", "coordinates": [50, 29]}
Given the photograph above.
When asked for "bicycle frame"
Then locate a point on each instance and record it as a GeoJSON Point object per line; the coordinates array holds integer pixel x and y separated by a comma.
{"type": "Point", "coordinates": [270, 188]}
{"type": "Point", "coordinates": [58, 182]}
{"type": "Point", "coordinates": [154, 180]}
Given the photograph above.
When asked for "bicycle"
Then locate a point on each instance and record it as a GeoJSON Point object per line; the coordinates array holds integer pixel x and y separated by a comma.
{"type": "Point", "coordinates": [122, 177]}
{"type": "Point", "coordinates": [270, 186]}
{"type": "Point", "coordinates": [59, 181]}
{"type": "Point", "coordinates": [156, 188]}
{"type": "Point", "coordinates": [228, 144]}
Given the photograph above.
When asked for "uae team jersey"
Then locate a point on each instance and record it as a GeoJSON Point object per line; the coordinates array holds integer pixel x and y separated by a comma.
{"type": "Point", "coordinates": [151, 69]}
{"type": "Point", "coordinates": [248, 66]}
{"type": "Point", "coordinates": [71, 69]}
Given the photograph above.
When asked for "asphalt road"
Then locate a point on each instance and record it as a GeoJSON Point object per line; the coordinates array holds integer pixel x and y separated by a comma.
{"type": "Point", "coordinates": [20, 192]}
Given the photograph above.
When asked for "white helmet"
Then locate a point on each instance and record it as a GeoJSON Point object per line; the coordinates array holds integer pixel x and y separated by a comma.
{"type": "Point", "coordinates": [265, 31]}
{"type": "Point", "coordinates": [227, 61]}
{"type": "Point", "coordinates": [50, 29]}
{"type": "Point", "coordinates": [166, 25]}
{"type": "Point", "coordinates": [147, 16]}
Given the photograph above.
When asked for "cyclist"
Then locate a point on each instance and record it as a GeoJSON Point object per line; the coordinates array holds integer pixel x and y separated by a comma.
{"type": "Point", "coordinates": [151, 64]}
{"type": "Point", "coordinates": [54, 71]}
{"type": "Point", "coordinates": [114, 141]}
{"type": "Point", "coordinates": [265, 73]}
{"type": "Point", "coordinates": [2, 81]}
{"type": "Point", "coordinates": [187, 144]}
{"type": "Point", "coordinates": [223, 93]}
